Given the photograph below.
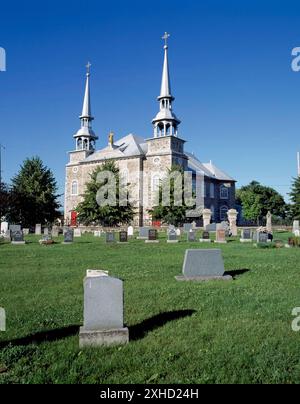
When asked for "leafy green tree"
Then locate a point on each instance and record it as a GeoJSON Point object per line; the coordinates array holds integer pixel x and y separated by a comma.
{"type": "Point", "coordinates": [171, 213]}
{"type": "Point", "coordinates": [33, 194]}
{"type": "Point", "coordinates": [4, 199]}
{"type": "Point", "coordinates": [257, 200]}
{"type": "Point", "coordinates": [295, 199]}
{"type": "Point", "coordinates": [91, 212]}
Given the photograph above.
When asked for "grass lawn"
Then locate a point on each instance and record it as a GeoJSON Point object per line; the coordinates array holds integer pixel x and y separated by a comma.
{"type": "Point", "coordinates": [181, 332]}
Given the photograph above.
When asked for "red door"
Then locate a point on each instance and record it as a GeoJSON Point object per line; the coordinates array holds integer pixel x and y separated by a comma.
{"type": "Point", "coordinates": [73, 218]}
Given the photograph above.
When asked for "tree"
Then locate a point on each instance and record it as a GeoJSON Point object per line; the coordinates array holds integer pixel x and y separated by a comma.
{"type": "Point", "coordinates": [295, 199]}
{"type": "Point", "coordinates": [90, 211]}
{"type": "Point", "coordinates": [33, 194]}
{"type": "Point", "coordinates": [4, 200]}
{"type": "Point", "coordinates": [257, 200]}
{"type": "Point", "coordinates": [171, 214]}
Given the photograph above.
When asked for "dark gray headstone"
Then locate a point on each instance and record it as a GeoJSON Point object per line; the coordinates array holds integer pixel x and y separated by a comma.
{"type": "Point", "coordinates": [262, 237]}
{"type": "Point", "coordinates": [204, 263]}
{"type": "Point", "coordinates": [206, 235]}
{"type": "Point", "coordinates": [17, 236]}
{"type": "Point", "coordinates": [152, 234]}
{"type": "Point", "coordinates": [123, 237]}
{"type": "Point", "coordinates": [14, 227]}
{"type": "Point", "coordinates": [211, 227]}
{"type": "Point", "coordinates": [68, 235]}
{"type": "Point", "coordinates": [172, 236]}
{"type": "Point", "coordinates": [246, 234]}
{"type": "Point", "coordinates": [110, 237]}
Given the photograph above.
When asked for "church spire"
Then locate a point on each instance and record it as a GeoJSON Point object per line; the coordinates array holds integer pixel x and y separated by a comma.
{"type": "Point", "coordinates": [85, 137]}
{"type": "Point", "coordinates": [86, 108]}
{"type": "Point", "coordinates": [165, 123]}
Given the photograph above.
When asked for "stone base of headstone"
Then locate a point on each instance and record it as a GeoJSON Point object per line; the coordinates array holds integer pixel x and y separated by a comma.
{"type": "Point", "coordinates": [141, 238]}
{"type": "Point", "coordinates": [243, 240]}
{"type": "Point", "coordinates": [90, 338]}
{"type": "Point", "coordinates": [220, 242]}
{"type": "Point", "coordinates": [18, 242]}
{"type": "Point", "coordinates": [46, 242]}
{"type": "Point", "coordinates": [205, 240]}
{"type": "Point", "coordinates": [203, 278]}
{"type": "Point", "coordinates": [172, 241]}
{"type": "Point", "coordinates": [151, 241]}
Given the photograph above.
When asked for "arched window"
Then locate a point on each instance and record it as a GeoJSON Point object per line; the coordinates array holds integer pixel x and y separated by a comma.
{"type": "Point", "coordinates": [224, 192]}
{"type": "Point", "coordinates": [124, 177]}
{"type": "Point", "coordinates": [212, 190]}
{"type": "Point", "coordinates": [155, 183]}
{"type": "Point", "coordinates": [79, 144]}
{"type": "Point", "coordinates": [223, 213]}
{"type": "Point", "coordinates": [74, 187]}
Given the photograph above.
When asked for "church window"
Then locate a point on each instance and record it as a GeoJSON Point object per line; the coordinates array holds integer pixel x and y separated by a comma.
{"type": "Point", "coordinates": [74, 188]}
{"type": "Point", "coordinates": [224, 192]}
{"type": "Point", "coordinates": [212, 190]}
{"type": "Point", "coordinates": [155, 183]}
{"type": "Point", "coordinates": [223, 213]}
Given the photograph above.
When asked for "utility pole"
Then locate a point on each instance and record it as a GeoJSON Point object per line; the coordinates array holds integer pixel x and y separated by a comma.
{"type": "Point", "coordinates": [1, 147]}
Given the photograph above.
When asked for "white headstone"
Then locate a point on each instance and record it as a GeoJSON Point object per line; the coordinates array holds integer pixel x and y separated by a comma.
{"type": "Point", "coordinates": [130, 231]}
{"type": "Point", "coordinates": [4, 227]}
{"type": "Point", "coordinates": [38, 229]}
{"type": "Point", "coordinates": [77, 232]}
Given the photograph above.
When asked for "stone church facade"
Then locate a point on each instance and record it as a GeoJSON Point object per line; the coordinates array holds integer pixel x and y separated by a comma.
{"type": "Point", "coordinates": [143, 163]}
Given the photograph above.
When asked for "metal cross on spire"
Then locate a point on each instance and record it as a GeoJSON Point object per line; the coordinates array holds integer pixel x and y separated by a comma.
{"type": "Point", "coordinates": [165, 38]}
{"type": "Point", "coordinates": [88, 67]}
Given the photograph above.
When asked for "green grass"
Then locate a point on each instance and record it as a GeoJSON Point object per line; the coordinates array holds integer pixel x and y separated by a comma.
{"type": "Point", "coordinates": [214, 332]}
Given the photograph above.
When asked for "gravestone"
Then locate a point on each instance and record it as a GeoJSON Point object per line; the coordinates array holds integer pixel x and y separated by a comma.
{"type": "Point", "coordinates": [172, 236]}
{"type": "Point", "coordinates": [203, 265]}
{"type": "Point", "coordinates": [221, 237]}
{"type": "Point", "coordinates": [55, 231]}
{"type": "Point", "coordinates": [97, 233]}
{"type": "Point", "coordinates": [46, 231]}
{"type": "Point", "coordinates": [25, 232]}
{"type": "Point", "coordinates": [187, 227]}
{"type": "Point", "coordinates": [68, 236]}
{"type": "Point", "coordinates": [178, 232]}
{"type": "Point", "coordinates": [270, 237]}
{"type": "Point", "coordinates": [205, 238]}
{"type": "Point", "coordinates": [38, 229]}
{"type": "Point", "coordinates": [103, 311]}
{"type": "Point", "coordinates": [246, 236]}
{"type": "Point", "coordinates": [232, 218]}
{"type": "Point", "coordinates": [123, 237]}
{"type": "Point", "coordinates": [14, 227]}
{"type": "Point", "coordinates": [110, 237]}
{"type": "Point", "coordinates": [17, 237]}
{"type": "Point", "coordinates": [191, 236]}
{"type": "Point", "coordinates": [130, 231]}
{"type": "Point", "coordinates": [152, 236]}
{"type": "Point", "coordinates": [211, 227]}
{"type": "Point", "coordinates": [77, 232]}
{"type": "Point", "coordinates": [4, 227]}
{"type": "Point", "coordinates": [170, 228]}
{"type": "Point", "coordinates": [261, 237]}
{"type": "Point", "coordinates": [46, 240]}
{"type": "Point", "coordinates": [296, 226]}
{"type": "Point", "coordinates": [7, 235]}
{"type": "Point", "coordinates": [143, 233]}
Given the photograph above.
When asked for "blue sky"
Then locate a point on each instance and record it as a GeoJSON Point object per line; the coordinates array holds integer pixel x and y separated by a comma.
{"type": "Point", "coordinates": [230, 65]}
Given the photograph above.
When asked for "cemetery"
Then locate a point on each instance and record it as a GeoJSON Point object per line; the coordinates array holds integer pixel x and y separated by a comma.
{"type": "Point", "coordinates": [144, 335]}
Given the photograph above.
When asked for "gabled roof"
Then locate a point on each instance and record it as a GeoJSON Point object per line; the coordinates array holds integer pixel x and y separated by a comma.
{"type": "Point", "coordinates": [208, 169]}
{"type": "Point", "coordinates": [129, 146]}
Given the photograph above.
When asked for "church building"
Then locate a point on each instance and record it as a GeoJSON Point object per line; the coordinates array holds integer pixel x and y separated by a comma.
{"type": "Point", "coordinates": [143, 163]}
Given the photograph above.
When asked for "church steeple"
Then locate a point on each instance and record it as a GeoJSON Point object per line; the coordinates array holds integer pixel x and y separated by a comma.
{"type": "Point", "coordinates": [165, 123]}
{"type": "Point", "coordinates": [85, 137]}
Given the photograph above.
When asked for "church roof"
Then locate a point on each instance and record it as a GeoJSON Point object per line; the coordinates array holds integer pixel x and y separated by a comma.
{"type": "Point", "coordinates": [128, 146]}
{"type": "Point", "coordinates": [132, 145]}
